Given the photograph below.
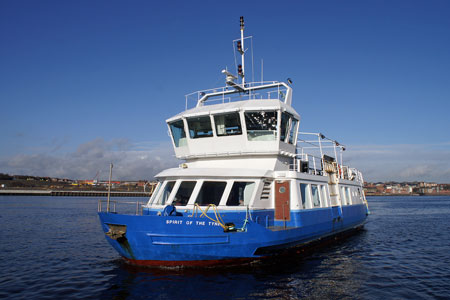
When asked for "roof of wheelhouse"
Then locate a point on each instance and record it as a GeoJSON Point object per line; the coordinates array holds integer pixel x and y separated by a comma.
{"type": "Point", "coordinates": [245, 105]}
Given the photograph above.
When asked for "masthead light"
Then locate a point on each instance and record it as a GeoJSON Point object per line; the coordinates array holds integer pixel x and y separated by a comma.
{"type": "Point", "coordinates": [240, 70]}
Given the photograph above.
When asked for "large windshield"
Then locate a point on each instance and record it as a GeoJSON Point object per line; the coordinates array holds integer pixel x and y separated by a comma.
{"type": "Point", "coordinates": [261, 125]}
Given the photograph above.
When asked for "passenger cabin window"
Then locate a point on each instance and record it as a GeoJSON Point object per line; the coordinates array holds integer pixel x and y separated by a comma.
{"type": "Point", "coordinates": [199, 127]}
{"type": "Point", "coordinates": [344, 196]}
{"type": "Point", "coordinates": [315, 195]}
{"type": "Point", "coordinates": [324, 196]}
{"type": "Point", "coordinates": [349, 198]}
{"type": "Point", "coordinates": [165, 193]}
{"type": "Point", "coordinates": [210, 193]}
{"type": "Point", "coordinates": [305, 195]}
{"type": "Point", "coordinates": [228, 124]}
{"type": "Point", "coordinates": [360, 198]}
{"type": "Point", "coordinates": [178, 133]}
{"type": "Point", "coordinates": [155, 192]}
{"type": "Point", "coordinates": [261, 125]}
{"type": "Point", "coordinates": [240, 193]}
{"type": "Point", "coordinates": [184, 193]}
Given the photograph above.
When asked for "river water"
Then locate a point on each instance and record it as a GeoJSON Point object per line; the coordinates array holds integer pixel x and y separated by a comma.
{"type": "Point", "coordinates": [53, 248]}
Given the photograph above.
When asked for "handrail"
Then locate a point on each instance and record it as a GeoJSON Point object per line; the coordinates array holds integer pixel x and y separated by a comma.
{"type": "Point", "coordinates": [321, 145]}
{"type": "Point", "coordinates": [246, 92]}
{"type": "Point", "coordinates": [138, 210]}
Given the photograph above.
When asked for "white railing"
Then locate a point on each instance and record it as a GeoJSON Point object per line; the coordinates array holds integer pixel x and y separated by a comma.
{"type": "Point", "coordinates": [127, 207]}
{"type": "Point", "coordinates": [228, 94]}
{"type": "Point", "coordinates": [311, 153]}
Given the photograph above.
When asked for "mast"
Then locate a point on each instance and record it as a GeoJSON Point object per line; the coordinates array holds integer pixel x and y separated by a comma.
{"type": "Point", "coordinates": [240, 48]}
{"type": "Point", "coordinates": [109, 188]}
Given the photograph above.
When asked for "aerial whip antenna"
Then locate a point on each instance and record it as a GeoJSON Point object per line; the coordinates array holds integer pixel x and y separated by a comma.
{"type": "Point", "coordinates": [240, 48]}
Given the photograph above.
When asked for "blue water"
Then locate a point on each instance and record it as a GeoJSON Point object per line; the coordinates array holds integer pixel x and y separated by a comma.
{"type": "Point", "coordinates": [53, 248]}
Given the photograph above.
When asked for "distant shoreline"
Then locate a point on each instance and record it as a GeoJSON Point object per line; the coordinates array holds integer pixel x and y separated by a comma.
{"type": "Point", "coordinates": [403, 195]}
{"type": "Point", "coordinates": [71, 193]}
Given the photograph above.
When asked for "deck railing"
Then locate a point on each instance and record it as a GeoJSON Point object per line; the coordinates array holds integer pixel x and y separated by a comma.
{"type": "Point", "coordinates": [312, 152]}
{"type": "Point", "coordinates": [126, 207]}
{"type": "Point", "coordinates": [227, 94]}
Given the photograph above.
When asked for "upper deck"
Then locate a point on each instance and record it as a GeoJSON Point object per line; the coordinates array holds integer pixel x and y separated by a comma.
{"type": "Point", "coordinates": [254, 121]}
{"type": "Point", "coordinates": [249, 125]}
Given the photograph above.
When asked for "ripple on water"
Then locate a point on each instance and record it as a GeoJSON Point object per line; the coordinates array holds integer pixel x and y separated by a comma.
{"type": "Point", "coordinates": [55, 249]}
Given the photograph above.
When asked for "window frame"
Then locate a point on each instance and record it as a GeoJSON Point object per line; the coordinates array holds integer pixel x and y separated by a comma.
{"type": "Point", "coordinates": [201, 136]}
{"type": "Point", "coordinates": [193, 199]}
{"type": "Point", "coordinates": [318, 196]}
{"type": "Point", "coordinates": [182, 140]}
{"type": "Point", "coordinates": [273, 131]}
{"type": "Point", "coordinates": [162, 190]}
{"type": "Point", "coordinates": [308, 196]}
{"type": "Point", "coordinates": [238, 115]}
{"type": "Point", "coordinates": [324, 193]}
{"type": "Point", "coordinates": [227, 193]}
{"type": "Point", "coordinates": [349, 196]}
{"type": "Point", "coordinates": [180, 182]}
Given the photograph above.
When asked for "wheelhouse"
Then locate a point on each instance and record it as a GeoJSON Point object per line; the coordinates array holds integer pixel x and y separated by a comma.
{"type": "Point", "coordinates": [255, 125]}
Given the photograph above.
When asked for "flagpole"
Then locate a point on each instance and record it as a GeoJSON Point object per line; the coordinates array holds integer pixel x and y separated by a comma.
{"type": "Point", "coordinates": [109, 187]}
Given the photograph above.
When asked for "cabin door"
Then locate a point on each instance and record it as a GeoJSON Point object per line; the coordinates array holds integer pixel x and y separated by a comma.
{"type": "Point", "coordinates": [282, 200]}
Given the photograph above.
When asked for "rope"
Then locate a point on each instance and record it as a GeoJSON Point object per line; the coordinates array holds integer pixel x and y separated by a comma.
{"type": "Point", "coordinates": [218, 219]}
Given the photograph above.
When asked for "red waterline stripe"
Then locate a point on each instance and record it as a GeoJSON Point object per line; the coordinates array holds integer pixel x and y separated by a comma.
{"type": "Point", "coordinates": [237, 261]}
{"type": "Point", "coordinates": [190, 263]}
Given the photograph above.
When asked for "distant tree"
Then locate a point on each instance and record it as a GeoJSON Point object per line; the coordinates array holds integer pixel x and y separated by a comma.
{"type": "Point", "coordinates": [5, 177]}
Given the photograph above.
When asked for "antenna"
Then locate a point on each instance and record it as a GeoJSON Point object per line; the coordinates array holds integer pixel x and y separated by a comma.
{"type": "Point", "coordinates": [240, 46]}
{"type": "Point", "coordinates": [262, 70]}
{"type": "Point", "coordinates": [241, 67]}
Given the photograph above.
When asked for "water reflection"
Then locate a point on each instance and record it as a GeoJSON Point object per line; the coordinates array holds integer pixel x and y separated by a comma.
{"type": "Point", "coordinates": [53, 247]}
{"type": "Point", "coordinates": [326, 273]}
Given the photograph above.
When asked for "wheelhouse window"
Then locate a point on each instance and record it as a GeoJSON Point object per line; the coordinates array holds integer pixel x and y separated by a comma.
{"type": "Point", "coordinates": [199, 127]}
{"type": "Point", "coordinates": [288, 128]}
{"type": "Point", "coordinates": [165, 193]}
{"type": "Point", "coordinates": [228, 124]}
{"type": "Point", "coordinates": [293, 130]}
{"type": "Point", "coordinates": [184, 193]}
{"type": "Point", "coordinates": [178, 133]}
{"type": "Point", "coordinates": [240, 194]}
{"type": "Point", "coordinates": [261, 125]}
{"type": "Point", "coordinates": [284, 126]}
{"type": "Point", "coordinates": [210, 193]}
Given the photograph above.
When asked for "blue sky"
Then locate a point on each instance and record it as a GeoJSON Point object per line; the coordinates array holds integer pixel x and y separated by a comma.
{"type": "Point", "coordinates": [83, 83]}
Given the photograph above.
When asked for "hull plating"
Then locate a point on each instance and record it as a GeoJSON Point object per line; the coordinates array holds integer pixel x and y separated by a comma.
{"type": "Point", "coordinates": [181, 240]}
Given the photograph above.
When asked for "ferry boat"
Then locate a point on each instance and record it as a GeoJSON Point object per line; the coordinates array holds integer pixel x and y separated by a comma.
{"type": "Point", "coordinates": [250, 185]}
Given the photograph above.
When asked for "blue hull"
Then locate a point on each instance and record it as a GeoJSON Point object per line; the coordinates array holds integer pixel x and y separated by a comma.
{"type": "Point", "coordinates": [150, 239]}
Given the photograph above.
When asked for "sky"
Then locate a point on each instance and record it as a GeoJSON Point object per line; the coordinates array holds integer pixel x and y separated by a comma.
{"type": "Point", "coordinates": [86, 83]}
